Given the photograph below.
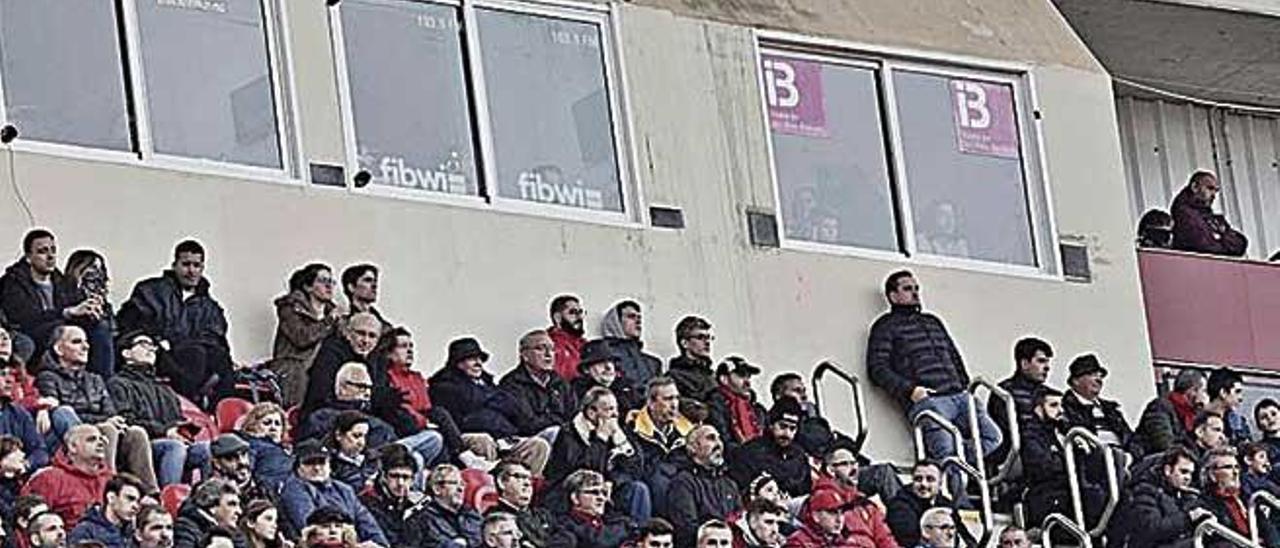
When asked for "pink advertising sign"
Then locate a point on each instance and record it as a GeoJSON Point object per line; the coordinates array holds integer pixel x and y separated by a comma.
{"type": "Point", "coordinates": [793, 89]}
{"type": "Point", "coordinates": [984, 117]}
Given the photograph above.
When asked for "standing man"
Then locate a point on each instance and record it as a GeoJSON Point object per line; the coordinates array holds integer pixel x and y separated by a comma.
{"type": "Point", "coordinates": [1226, 393]}
{"type": "Point", "coordinates": [1031, 356]}
{"type": "Point", "coordinates": [692, 368]}
{"type": "Point", "coordinates": [622, 327]}
{"type": "Point", "coordinates": [1084, 405]}
{"type": "Point", "coordinates": [1196, 227]}
{"type": "Point", "coordinates": [177, 308]}
{"type": "Point", "coordinates": [360, 285]}
{"type": "Point", "coordinates": [911, 356]}
{"type": "Point", "coordinates": [567, 333]}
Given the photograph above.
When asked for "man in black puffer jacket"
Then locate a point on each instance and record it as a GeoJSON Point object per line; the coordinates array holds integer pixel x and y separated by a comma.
{"type": "Point", "coordinates": [911, 356]}
{"type": "Point", "coordinates": [775, 452]}
{"type": "Point", "coordinates": [701, 491]}
{"type": "Point", "coordinates": [1163, 508]}
{"type": "Point", "coordinates": [143, 401]}
{"type": "Point", "coordinates": [176, 307]}
{"type": "Point", "coordinates": [692, 368]}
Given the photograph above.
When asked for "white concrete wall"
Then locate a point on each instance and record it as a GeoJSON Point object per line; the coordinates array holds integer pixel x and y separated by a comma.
{"type": "Point", "coordinates": [700, 136]}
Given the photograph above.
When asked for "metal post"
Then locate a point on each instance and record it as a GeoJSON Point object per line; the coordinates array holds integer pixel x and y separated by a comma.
{"type": "Point", "coordinates": [860, 435]}
{"type": "Point", "coordinates": [1059, 520]}
{"type": "Point", "coordinates": [1012, 430]}
{"type": "Point", "coordinates": [1262, 497]}
{"type": "Point", "coordinates": [1113, 484]}
{"type": "Point", "coordinates": [1211, 526]}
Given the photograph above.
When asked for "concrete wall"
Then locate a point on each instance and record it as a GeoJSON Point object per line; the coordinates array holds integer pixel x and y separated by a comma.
{"type": "Point", "coordinates": [700, 139]}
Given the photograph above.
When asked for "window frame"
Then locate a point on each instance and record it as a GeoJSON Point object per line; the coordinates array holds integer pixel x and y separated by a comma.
{"type": "Point", "coordinates": [142, 153]}
{"type": "Point", "coordinates": [605, 18]}
{"type": "Point", "coordinates": [886, 62]}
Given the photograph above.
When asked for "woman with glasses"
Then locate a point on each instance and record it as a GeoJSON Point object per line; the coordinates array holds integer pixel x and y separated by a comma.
{"type": "Point", "coordinates": [306, 316]}
{"type": "Point", "coordinates": [264, 428]}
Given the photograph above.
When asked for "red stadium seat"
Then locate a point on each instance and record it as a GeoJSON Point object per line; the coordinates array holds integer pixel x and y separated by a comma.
{"type": "Point", "coordinates": [478, 483]}
{"type": "Point", "coordinates": [171, 497]}
{"type": "Point", "coordinates": [229, 412]}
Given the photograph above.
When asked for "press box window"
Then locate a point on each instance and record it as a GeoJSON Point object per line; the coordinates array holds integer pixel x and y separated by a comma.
{"type": "Point", "coordinates": [62, 72]}
{"type": "Point", "coordinates": [408, 95]}
{"type": "Point", "coordinates": [829, 152]}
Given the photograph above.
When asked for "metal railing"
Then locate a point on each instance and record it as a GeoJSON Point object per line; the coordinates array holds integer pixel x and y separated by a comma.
{"type": "Point", "coordinates": [1059, 520]}
{"type": "Point", "coordinates": [1113, 485]}
{"type": "Point", "coordinates": [1011, 430]}
{"type": "Point", "coordinates": [988, 516]}
{"type": "Point", "coordinates": [1260, 497]}
{"type": "Point", "coordinates": [929, 415]}
{"type": "Point", "coordinates": [859, 410]}
{"type": "Point", "coordinates": [1212, 527]}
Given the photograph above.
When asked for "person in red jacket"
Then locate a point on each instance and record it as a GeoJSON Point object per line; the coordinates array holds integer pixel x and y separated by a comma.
{"type": "Point", "coordinates": [823, 523]}
{"type": "Point", "coordinates": [567, 332]}
{"type": "Point", "coordinates": [77, 477]}
{"type": "Point", "coordinates": [864, 521]}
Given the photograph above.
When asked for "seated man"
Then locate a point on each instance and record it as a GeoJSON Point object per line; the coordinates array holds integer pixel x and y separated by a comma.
{"type": "Point", "coordinates": [499, 530]}
{"type": "Point", "coordinates": [111, 522]}
{"type": "Point", "coordinates": [515, 497]}
{"type": "Point", "coordinates": [1226, 393]}
{"type": "Point", "coordinates": [352, 393]}
{"type": "Point", "coordinates": [1222, 496]}
{"type": "Point", "coordinates": [622, 328]}
{"type": "Point", "coordinates": [775, 452]}
{"type": "Point", "coordinates": [692, 368]}
{"type": "Point", "coordinates": [311, 487]}
{"type": "Point", "coordinates": [543, 400]}
{"type": "Point", "coordinates": [594, 440]}
{"type": "Point", "coordinates": [177, 308]}
{"type": "Point", "coordinates": [701, 491]}
{"type": "Point", "coordinates": [863, 519]}
{"type": "Point", "coordinates": [353, 342]}
{"type": "Point", "coordinates": [937, 529]}
{"type": "Point", "coordinates": [815, 434]}
{"type": "Point", "coordinates": [658, 431]}
{"type": "Point", "coordinates": [586, 522]}
{"type": "Point", "coordinates": [47, 530]}
{"type": "Point", "coordinates": [597, 368]}
{"type": "Point", "coordinates": [78, 478]}
{"type": "Point", "coordinates": [1266, 414]}
{"type": "Point", "coordinates": [566, 333]}
{"type": "Point", "coordinates": [444, 521]}
{"type": "Point", "coordinates": [1164, 512]}
{"type": "Point", "coordinates": [36, 297]}
{"type": "Point", "coordinates": [153, 528]}
{"type": "Point", "coordinates": [906, 508]}
{"type": "Point", "coordinates": [715, 534]}
{"type": "Point", "coordinates": [911, 356]}
{"type": "Point", "coordinates": [146, 403]}
{"type": "Point", "coordinates": [15, 420]}
{"type": "Point", "coordinates": [393, 501]}
{"type": "Point", "coordinates": [760, 526]}
{"type": "Point", "coordinates": [468, 392]}
{"type": "Point", "coordinates": [230, 460]}
{"type": "Point", "coordinates": [214, 503]}
{"type": "Point", "coordinates": [1168, 420]}
{"type": "Point", "coordinates": [1084, 406]}
{"type": "Point", "coordinates": [1196, 227]}
{"type": "Point", "coordinates": [734, 409]}
{"type": "Point", "coordinates": [1013, 536]}
{"type": "Point", "coordinates": [64, 377]}
{"type": "Point", "coordinates": [823, 524]}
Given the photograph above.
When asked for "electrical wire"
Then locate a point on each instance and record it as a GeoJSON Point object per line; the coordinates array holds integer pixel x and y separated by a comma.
{"type": "Point", "coordinates": [17, 189]}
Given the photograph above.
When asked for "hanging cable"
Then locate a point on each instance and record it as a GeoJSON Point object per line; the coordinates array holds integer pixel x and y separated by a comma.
{"type": "Point", "coordinates": [7, 135]}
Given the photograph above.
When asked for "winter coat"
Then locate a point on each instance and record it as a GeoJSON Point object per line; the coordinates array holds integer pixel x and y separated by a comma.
{"type": "Point", "coordinates": [694, 377]}
{"type": "Point", "coordinates": [67, 489]}
{"type": "Point", "coordinates": [156, 307]}
{"type": "Point", "coordinates": [143, 401]}
{"type": "Point", "coordinates": [659, 452]}
{"type": "Point", "coordinates": [538, 405]}
{"type": "Point", "coordinates": [298, 498]}
{"type": "Point", "coordinates": [445, 528]}
{"type": "Point", "coordinates": [78, 389]}
{"type": "Point", "coordinates": [568, 351]}
{"type": "Point", "coordinates": [299, 333]}
{"type": "Point", "coordinates": [1044, 466]}
{"type": "Point", "coordinates": [394, 516]}
{"type": "Point", "coordinates": [864, 521]}
{"type": "Point", "coordinates": [272, 463]}
{"type": "Point", "coordinates": [1197, 228]}
{"type": "Point", "coordinates": [1023, 391]}
{"type": "Point", "coordinates": [1106, 416]}
{"type": "Point", "coordinates": [789, 465]}
{"type": "Point", "coordinates": [356, 473]}
{"type": "Point", "coordinates": [909, 348]}
{"type": "Point", "coordinates": [94, 526]}
{"type": "Point", "coordinates": [1218, 505]}
{"type": "Point", "coordinates": [578, 447]}
{"type": "Point", "coordinates": [697, 494]}
{"type": "Point", "coordinates": [576, 531]}
{"type": "Point", "coordinates": [1159, 428]}
{"type": "Point", "coordinates": [191, 526]}
{"type": "Point", "coordinates": [1158, 516]}
{"type": "Point", "coordinates": [334, 352]}
{"type": "Point", "coordinates": [808, 537]}
{"type": "Point", "coordinates": [320, 423]}
{"type": "Point", "coordinates": [17, 422]}
{"type": "Point", "coordinates": [25, 308]}
{"type": "Point", "coordinates": [535, 523]}
{"type": "Point", "coordinates": [628, 399]}
{"type": "Point", "coordinates": [722, 417]}
{"type": "Point", "coordinates": [1237, 428]}
{"type": "Point", "coordinates": [414, 398]}
{"type": "Point", "coordinates": [477, 405]}
{"type": "Point", "coordinates": [903, 512]}
{"type": "Point", "coordinates": [633, 363]}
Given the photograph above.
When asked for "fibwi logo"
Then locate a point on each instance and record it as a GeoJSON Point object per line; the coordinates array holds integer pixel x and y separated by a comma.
{"type": "Point", "coordinates": [211, 6]}
{"type": "Point", "coordinates": [545, 184]}
{"type": "Point", "coordinates": [395, 172]}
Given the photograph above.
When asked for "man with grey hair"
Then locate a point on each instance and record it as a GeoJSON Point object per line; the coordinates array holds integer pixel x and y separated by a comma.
{"type": "Point", "coordinates": [658, 431]}
{"type": "Point", "coordinates": [445, 521]}
{"type": "Point", "coordinates": [586, 522]}
{"type": "Point", "coordinates": [73, 483]}
{"type": "Point", "coordinates": [353, 342]}
{"type": "Point", "coordinates": [1196, 227]}
{"type": "Point", "coordinates": [937, 528]}
{"type": "Point", "coordinates": [500, 531]}
{"type": "Point", "coordinates": [594, 440]}
{"type": "Point", "coordinates": [1169, 420]}
{"type": "Point", "coordinates": [543, 400]}
{"type": "Point", "coordinates": [701, 491]}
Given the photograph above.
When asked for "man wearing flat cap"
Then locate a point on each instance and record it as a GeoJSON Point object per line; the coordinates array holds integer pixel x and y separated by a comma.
{"type": "Point", "coordinates": [735, 412]}
{"type": "Point", "coordinates": [229, 460]}
{"type": "Point", "coordinates": [312, 487]}
{"type": "Point", "coordinates": [775, 452]}
{"type": "Point", "coordinates": [1084, 406]}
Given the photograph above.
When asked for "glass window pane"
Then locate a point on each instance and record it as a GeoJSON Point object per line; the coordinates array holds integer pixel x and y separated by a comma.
{"type": "Point", "coordinates": [964, 168]}
{"type": "Point", "coordinates": [552, 128]}
{"type": "Point", "coordinates": [63, 73]}
{"type": "Point", "coordinates": [408, 94]}
{"type": "Point", "coordinates": [208, 80]}
{"type": "Point", "coordinates": [829, 153]}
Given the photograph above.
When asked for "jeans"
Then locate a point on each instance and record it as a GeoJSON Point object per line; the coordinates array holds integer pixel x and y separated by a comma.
{"type": "Point", "coordinates": [634, 497]}
{"type": "Point", "coordinates": [200, 458]}
{"type": "Point", "coordinates": [23, 346]}
{"type": "Point", "coordinates": [102, 350]}
{"type": "Point", "coordinates": [425, 445]}
{"type": "Point", "coordinates": [170, 460]}
{"type": "Point", "coordinates": [939, 443]}
{"type": "Point", "coordinates": [62, 418]}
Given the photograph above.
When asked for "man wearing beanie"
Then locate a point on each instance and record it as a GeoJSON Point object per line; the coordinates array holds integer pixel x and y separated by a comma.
{"type": "Point", "coordinates": [775, 452]}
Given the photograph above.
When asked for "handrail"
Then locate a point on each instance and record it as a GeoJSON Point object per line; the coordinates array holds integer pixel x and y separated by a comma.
{"type": "Point", "coordinates": [942, 422]}
{"type": "Point", "coordinates": [1265, 498]}
{"type": "Point", "coordinates": [1212, 526]}
{"type": "Point", "coordinates": [1113, 485]}
{"type": "Point", "coordinates": [1065, 522]}
{"type": "Point", "coordinates": [859, 410]}
{"type": "Point", "coordinates": [988, 516]}
{"type": "Point", "coordinates": [1011, 430]}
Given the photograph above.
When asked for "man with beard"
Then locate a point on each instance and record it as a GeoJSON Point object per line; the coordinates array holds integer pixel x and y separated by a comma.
{"type": "Point", "coordinates": [775, 452]}
{"type": "Point", "coordinates": [154, 528]}
{"type": "Point", "coordinates": [863, 519]}
{"type": "Point", "coordinates": [515, 497]}
{"type": "Point", "coordinates": [1196, 227]}
{"type": "Point", "coordinates": [1045, 464]}
{"type": "Point", "coordinates": [906, 508]}
{"type": "Point", "coordinates": [230, 461]}
{"type": "Point", "coordinates": [1222, 496]}
{"type": "Point", "coordinates": [1168, 420]}
{"type": "Point", "coordinates": [701, 491]}
{"type": "Point", "coordinates": [566, 332]}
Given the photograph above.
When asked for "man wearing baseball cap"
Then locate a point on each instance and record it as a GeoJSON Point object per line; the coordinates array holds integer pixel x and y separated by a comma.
{"type": "Point", "coordinates": [735, 412]}
{"type": "Point", "coordinates": [823, 519]}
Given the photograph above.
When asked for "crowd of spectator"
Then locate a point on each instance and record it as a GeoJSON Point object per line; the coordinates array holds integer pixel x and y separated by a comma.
{"type": "Point", "coordinates": [138, 428]}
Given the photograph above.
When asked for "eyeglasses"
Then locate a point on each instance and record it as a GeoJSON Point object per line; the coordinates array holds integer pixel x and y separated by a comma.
{"type": "Point", "coordinates": [144, 343]}
{"type": "Point", "coordinates": [595, 492]}
{"type": "Point", "coordinates": [702, 337]}
{"type": "Point", "coordinates": [324, 281]}
{"type": "Point", "coordinates": [360, 385]}
{"type": "Point", "coordinates": [400, 476]}
{"type": "Point", "coordinates": [943, 527]}
{"type": "Point", "coordinates": [575, 311]}
{"type": "Point", "coordinates": [1226, 467]}
{"type": "Point", "coordinates": [844, 463]}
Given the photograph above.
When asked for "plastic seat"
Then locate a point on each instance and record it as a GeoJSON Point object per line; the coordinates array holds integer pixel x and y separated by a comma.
{"type": "Point", "coordinates": [477, 484]}
{"type": "Point", "coordinates": [172, 495]}
{"type": "Point", "coordinates": [229, 412]}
